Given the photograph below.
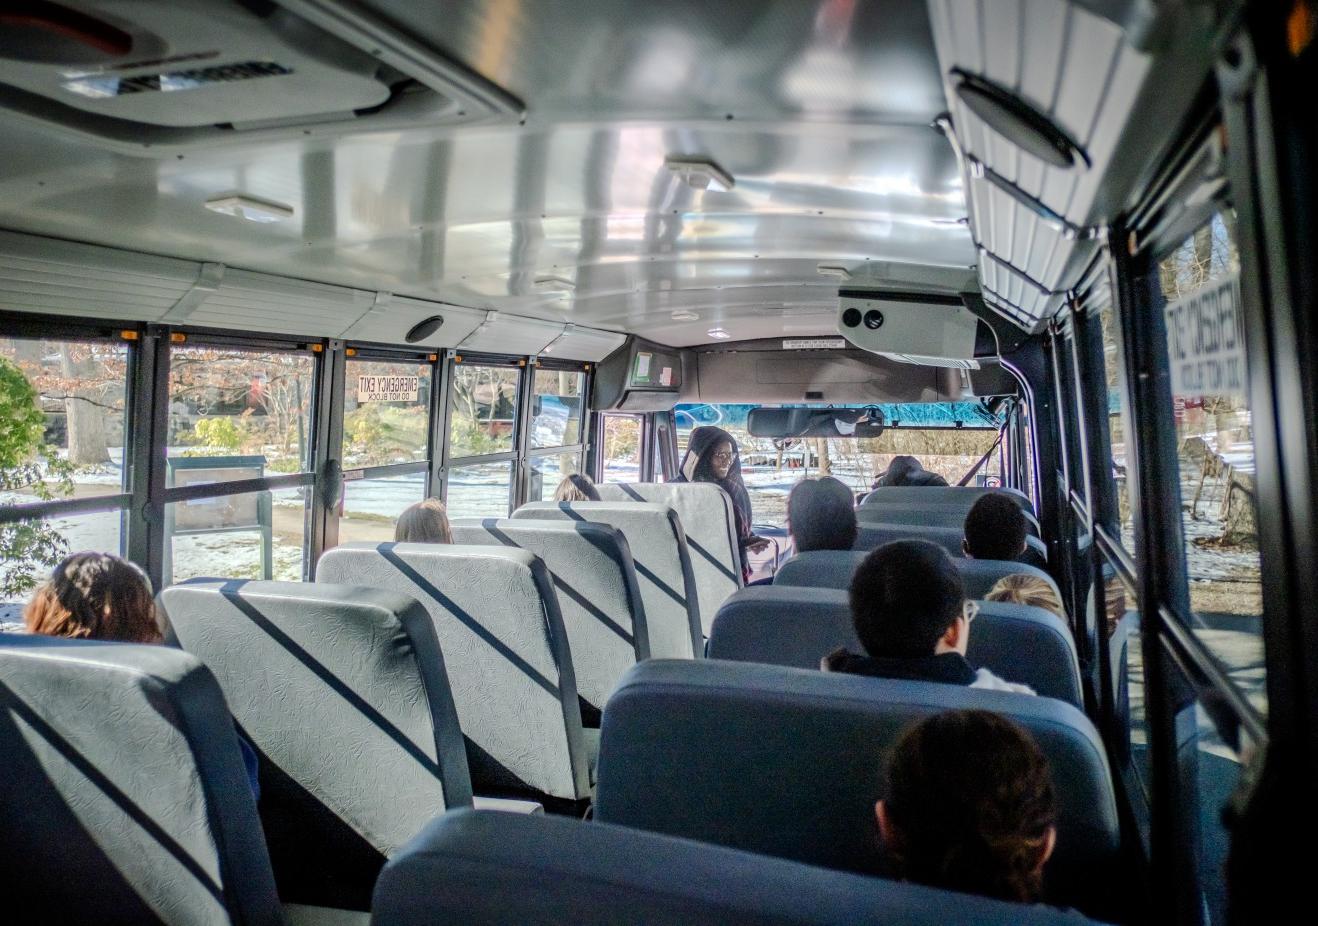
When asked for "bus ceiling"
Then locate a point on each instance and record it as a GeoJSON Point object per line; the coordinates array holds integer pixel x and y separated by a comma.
{"type": "Point", "coordinates": [550, 180]}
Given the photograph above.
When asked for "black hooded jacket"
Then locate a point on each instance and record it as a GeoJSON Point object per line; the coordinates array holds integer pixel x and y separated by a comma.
{"type": "Point", "coordinates": [698, 467]}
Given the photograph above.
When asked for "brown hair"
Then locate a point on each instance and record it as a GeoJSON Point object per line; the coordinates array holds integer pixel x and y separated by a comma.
{"type": "Point", "coordinates": [424, 522]}
{"type": "Point", "coordinates": [970, 797]}
{"type": "Point", "coordinates": [95, 596]}
{"type": "Point", "coordinates": [576, 488]}
{"type": "Point", "coordinates": [1019, 588]}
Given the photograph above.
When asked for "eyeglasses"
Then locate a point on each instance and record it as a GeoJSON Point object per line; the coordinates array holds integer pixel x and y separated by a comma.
{"type": "Point", "coordinates": [970, 610]}
{"type": "Point", "coordinates": [723, 456]}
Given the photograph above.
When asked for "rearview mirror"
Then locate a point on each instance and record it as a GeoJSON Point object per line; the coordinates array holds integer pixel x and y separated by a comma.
{"type": "Point", "coordinates": [815, 422]}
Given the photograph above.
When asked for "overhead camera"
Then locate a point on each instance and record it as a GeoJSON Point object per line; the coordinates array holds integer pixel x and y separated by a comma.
{"type": "Point", "coordinates": [903, 326]}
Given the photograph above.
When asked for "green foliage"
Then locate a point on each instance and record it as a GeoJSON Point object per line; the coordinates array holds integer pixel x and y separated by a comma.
{"type": "Point", "coordinates": [25, 461]}
{"type": "Point", "coordinates": [222, 432]}
{"type": "Point", "coordinates": [375, 434]}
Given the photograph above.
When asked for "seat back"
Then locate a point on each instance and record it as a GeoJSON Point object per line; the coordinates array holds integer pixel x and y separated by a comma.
{"type": "Point", "coordinates": [663, 566]}
{"type": "Point", "coordinates": [710, 526]}
{"type": "Point", "coordinates": [509, 665]}
{"type": "Point", "coordinates": [124, 794]}
{"type": "Point", "coordinates": [343, 692]}
{"type": "Point", "coordinates": [935, 515]}
{"type": "Point", "coordinates": [793, 626]}
{"type": "Point", "coordinates": [479, 867]}
{"type": "Point", "coordinates": [870, 535]}
{"type": "Point", "coordinates": [595, 580]}
{"type": "Point", "coordinates": [789, 762]}
{"type": "Point", "coordinates": [943, 495]}
{"type": "Point", "coordinates": [834, 569]}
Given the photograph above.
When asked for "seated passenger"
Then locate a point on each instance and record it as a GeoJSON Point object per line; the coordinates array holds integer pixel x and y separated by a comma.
{"type": "Point", "coordinates": [1027, 590]}
{"type": "Point", "coordinates": [424, 522]}
{"type": "Point", "coordinates": [576, 488]}
{"type": "Point", "coordinates": [970, 807]}
{"type": "Point", "coordinates": [96, 596]}
{"type": "Point", "coordinates": [907, 471]}
{"type": "Point", "coordinates": [912, 617]}
{"type": "Point", "coordinates": [994, 529]}
{"type": "Point", "coordinates": [821, 515]}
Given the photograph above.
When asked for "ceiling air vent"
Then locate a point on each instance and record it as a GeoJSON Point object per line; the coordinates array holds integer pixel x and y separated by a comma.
{"type": "Point", "coordinates": [156, 79]}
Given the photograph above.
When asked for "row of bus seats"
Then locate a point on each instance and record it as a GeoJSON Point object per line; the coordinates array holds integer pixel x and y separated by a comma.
{"type": "Point", "coordinates": [358, 700]}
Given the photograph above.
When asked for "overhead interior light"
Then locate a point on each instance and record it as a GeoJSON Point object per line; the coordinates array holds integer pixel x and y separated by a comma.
{"type": "Point", "coordinates": [686, 316]}
{"type": "Point", "coordinates": [833, 270]}
{"type": "Point", "coordinates": [1018, 121]}
{"type": "Point", "coordinates": [718, 334]}
{"type": "Point", "coordinates": [700, 173]}
{"type": "Point", "coordinates": [556, 284]}
{"type": "Point", "coordinates": [249, 208]}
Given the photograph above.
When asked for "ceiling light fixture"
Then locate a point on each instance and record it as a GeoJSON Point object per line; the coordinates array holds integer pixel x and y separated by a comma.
{"type": "Point", "coordinates": [250, 208]}
{"type": "Point", "coordinates": [718, 334]}
{"type": "Point", "coordinates": [700, 172]}
{"type": "Point", "coordinates": [686, 316]}
{"type": "Point", "coordinates": [555, 284]}
{"type": "Point", "coordinates": [833, 270]}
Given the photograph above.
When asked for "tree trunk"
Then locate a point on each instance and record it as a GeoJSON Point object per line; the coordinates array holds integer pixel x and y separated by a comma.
{"type": "Point", "coordinates": [825, 464]}
{"type": "Point", "coordinates": [85, 419]}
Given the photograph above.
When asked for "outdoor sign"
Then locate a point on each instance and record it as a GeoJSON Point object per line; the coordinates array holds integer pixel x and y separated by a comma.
{"type": "Point", "coordinates": [229, 511]}
{"type": "Point", "coordinates": [387, 388]}
{"type": "Point", "coordinates": [1206, 341]}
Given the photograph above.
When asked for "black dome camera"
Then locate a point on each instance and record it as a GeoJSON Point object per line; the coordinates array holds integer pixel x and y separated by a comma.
{"type": "Point", "coordinates": [873, 319]}
{"type": "Point", "coordinates": [851, 318]}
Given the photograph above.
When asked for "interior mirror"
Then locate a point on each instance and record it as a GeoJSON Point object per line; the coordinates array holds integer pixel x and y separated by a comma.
{"type": "Point", "coordinates": [815, 422]}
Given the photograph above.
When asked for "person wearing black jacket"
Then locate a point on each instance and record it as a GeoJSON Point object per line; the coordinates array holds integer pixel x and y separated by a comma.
{"type": "Point", "coordinates": [711, 456]}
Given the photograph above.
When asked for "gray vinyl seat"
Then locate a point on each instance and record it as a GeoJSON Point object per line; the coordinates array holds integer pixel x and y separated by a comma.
{"type": "Point", "coordinates": [789, 763]}
{"type": "Point", "coordinates": [124, 797]}
{"type": "Point", "coordinates": [953, 515]}
{"type": "Point", "coordinates": [943, 495]}
{"type": "Point", "coordinates": [710, 526]}
{"type": "Point", "coordinates": [663, 566]}
{"type": "Point", "coordinates": [794, 626]}
{"type": "Point", "coordinates": [509, 663]}
{"type": "Point", "coordinates": [595, 580]}
{"type": "Point", "coordinates": [870, 535]}
{"type": "Point", "coordinates": [486, 868]}
{"type": "Point", "coordinates": [834, 569]}
{"type": "Point", "coordinates": [343, 692]}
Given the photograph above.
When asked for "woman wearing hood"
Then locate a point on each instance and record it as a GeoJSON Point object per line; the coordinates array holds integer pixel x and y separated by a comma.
{"type": "Point", "coordinates": [711, 456]}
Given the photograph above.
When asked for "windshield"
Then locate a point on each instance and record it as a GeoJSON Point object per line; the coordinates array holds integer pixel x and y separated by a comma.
{"type": "Point", "coordinates": [929, 432]}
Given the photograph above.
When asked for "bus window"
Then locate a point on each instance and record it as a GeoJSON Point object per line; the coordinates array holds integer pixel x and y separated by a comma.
{"type": "Point", "coordinates": [253, 535]}
{"type": "Point", "coordinates": [621, 440]}
{"type": "Point", "coordinates": [62, 442]}
{"type": "Point", "coordinates": [386, 436]}
{"type": "Point", "coordinates": [1216, 454]}
{"type": "Point", "coordinates": [557, 410]}
{"type": "Point", "coordinates": [484, 408]}
{"type": "Point", "coordinates": [480, 490]}
{"type": "Point", "coordinates": [1118, 423]}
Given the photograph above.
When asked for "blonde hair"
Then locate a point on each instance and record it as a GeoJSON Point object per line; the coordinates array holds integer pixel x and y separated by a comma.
{"type": "Point", "coordinates": [424, 522]}
{"type": "Point", "coordinates": [576, 488]}
{"type": "Point", "coordinates": [1028, 590]}
{"type": "Point", "coordinates": [95, 596]}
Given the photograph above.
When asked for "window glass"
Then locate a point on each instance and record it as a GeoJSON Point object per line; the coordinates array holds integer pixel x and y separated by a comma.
{"type": "Point", "coordinates": [1128, 693]}
{"type": "Point", "coordinates": [372, 506]}
{"type": "Point", "coordinates": [770, 467]}
{"type": "Point", "coordinates": [255, 535]}
{"type": "Point", "coordinates": [61, 438]}
{"type": "Point", "coordinates": [35, 547]}
{"type": "Point", "coordinates": [250, 407]}
{"type": "Point", "coordinates": [484, 410]}
{"type": "Point", "coordinates": [622, 448]}
{"type": "Point", "coordinates": [1118, 422]}
{"type": "Point", "coordinates": [557, 408]}
{"type": "Point", "coordinates": [1216, 450]}
{"type": "Point", "coordinates": [480, 490]}
{"type": "Point", "coordinates": [386, 412]}
{"type": "Point", "coordinates": [548, 471]}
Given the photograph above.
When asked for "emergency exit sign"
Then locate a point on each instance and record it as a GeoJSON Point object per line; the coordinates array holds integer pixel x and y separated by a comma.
{"type": "Point", "coordinates": [1206, 341]}
{"type": "Point", "coordinates": [387, 388]}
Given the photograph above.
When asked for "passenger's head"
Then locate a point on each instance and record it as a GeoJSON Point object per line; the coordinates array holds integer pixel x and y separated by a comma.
{"type": "Point", "coordinates": [897, 471]}
{"type": "Point", "coordinates": [1027, 590]}
{"type": "Point", "coordinates": [970, 807]}
{"type": "Point", "coordinates": [821, 515]}
{"type": "Point", "coordinates": [995, 529]}
{"type": "Point", "coordinates": [711, 455]}
{"type": "Point", "coordinates": [95, 596]}
{"type": "Point", "coordinates": [907, 601]}
{"type": "Point", "coordinates": [576, 488]}
{"type": "Point", "coordinates": [424, 522]}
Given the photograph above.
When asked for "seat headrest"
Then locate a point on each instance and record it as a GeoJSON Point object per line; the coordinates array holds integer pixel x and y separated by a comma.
{"type": "Point", "coordinates": [789, 762]}
{"type": "Point", "coordinates": [484, 867]}
{"type": "Point", "coordinates": [124, 792]}
{"type": "Point", "coordinates": [834, 569]}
